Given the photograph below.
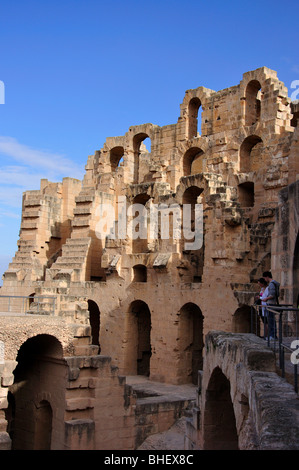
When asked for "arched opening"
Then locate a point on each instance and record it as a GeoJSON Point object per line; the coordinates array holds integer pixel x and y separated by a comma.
{"type": "Point", "coordinates": [190, 343]}
{"type": "Point", "coordinates": [39, 361]}
{"type": "Point", "coordinates": [246, 194]}
{"type": "Point", "coordinates": [194, 118]}
{"type": "Point", "coordinates": [253, 102]}
{"type": "Point", "coordinates": [31, 298]}
{"type": "Point", "coordinates": [193, 161]}
{"type": "Point", "coordinates": [116, 157]}
{"type": "Point", "coordinates": [241, 322]}
{"type": "Point", "coordinates": [138, 226]}
{"type": "Point", "coordinates": [138, 342]}
{"type": "Point", "coordinates": [139, 273]}
{"type": "Point", "coordinates": [219, 430]}
{"type": "Point", "coordinates": [192, 240]}
{"type": "Point", "coordinates": [251, 154]}
{"type": "Point", "coordinates": [94, 320]}
{"type": "Point", "coordinates": [296, 274]}
{"type": "Point", "coordinates": [138, 147]}
{"type": "Point", "coordinates": [43, 430]}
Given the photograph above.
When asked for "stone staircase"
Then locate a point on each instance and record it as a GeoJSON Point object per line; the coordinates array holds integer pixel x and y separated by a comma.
{"type": "Point", "coordinates": [73, 261]}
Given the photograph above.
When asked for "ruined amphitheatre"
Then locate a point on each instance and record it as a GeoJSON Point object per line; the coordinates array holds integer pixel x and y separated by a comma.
{"type": "Point", "coordinates": [108, 340]}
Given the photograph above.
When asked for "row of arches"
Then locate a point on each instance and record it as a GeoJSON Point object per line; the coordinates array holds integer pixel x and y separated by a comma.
{"type": "Point", "coordinates": [253, 99]}
{"type": "Point", "coordinates": [250, 157]}
{"type": "Point", "coordinates": [192, 162]}
{"type": "Point", "coordinates": [141, 143]}
{"type": "Point", "coordinates": [138, 338]}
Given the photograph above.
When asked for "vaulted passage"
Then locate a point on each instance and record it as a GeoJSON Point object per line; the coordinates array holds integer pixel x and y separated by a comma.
{"type": "Point", "coordinates": [190, 343]}
{"type": "Point", "coordinates": [36, 392]}
{"type": "Point", "coordinates": [220, 431]}
{"type": "Point", "coordinates": [253, 103]}
{"type": "Point", "coordinates": [138, 350]}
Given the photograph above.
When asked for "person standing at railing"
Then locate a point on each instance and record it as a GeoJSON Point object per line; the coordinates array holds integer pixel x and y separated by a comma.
{"type": "Point", "coordinates": [271, 300]}
{"type": "Point", "coordinates": [262, 295]}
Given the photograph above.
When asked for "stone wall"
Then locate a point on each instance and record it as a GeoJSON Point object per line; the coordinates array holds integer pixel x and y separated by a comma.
{"type": "Point", "coordinates": [234, 153]}
{"type": "Point", "coordinates": [242, 403]}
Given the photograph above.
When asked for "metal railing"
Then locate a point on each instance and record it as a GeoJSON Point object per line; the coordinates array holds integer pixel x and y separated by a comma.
{"type": "Point", "coordinates": [279, 326]}
{"type": "Point", "coordinates": [27, 305]}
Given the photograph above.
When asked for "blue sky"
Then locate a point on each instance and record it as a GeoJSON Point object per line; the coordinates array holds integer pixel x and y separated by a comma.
{"type": "Point", "coordinates": [78, 71]}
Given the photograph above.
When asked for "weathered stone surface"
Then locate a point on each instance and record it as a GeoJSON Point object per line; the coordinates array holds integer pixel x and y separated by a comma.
{"type": "Point", "coordinates": [119, 306]}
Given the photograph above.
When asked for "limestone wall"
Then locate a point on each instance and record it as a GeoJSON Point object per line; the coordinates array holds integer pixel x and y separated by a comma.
{"type": "Point", "coordinates": [242, 402]}
{"type": "Point", "coordinates": [232, 151]}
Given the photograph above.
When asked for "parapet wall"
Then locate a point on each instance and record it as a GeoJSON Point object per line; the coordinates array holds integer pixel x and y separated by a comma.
{"type": "Point", "coordinates": [242, 402]}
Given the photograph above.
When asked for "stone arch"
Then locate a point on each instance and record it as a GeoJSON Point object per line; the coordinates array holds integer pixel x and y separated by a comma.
{"type": "Point", "coordinates": [116, 156]}
{"type": "Point", "coordinates": [250, 154]}
{"type": "Point", "coordinates": [137, 147]}
{"type": "Point", "coordinates": [219, 430]}
{"type": "Point", "coordinates": [252, 102]}
{"type": "Point", "coordinates": [193, 247]}
{"type": "Point", "coordinates": [31, 299]}
{"type": "Point", "coordinates": [194, 99]}
{"type": "Point", "coordinates": [193, 161]}
{"type": "Point", "coordinates": [138, 339]}
{"type": "Point", "coordinates": [95, 321]}
{"type": "Point", "coordinates": [194, 117]}
{"type": "Point", "coordinates": [190, 342]}
{"type": "Point", "coordinates": [39, 359]}
{"type": "Point", "coordinates": [241, 320]}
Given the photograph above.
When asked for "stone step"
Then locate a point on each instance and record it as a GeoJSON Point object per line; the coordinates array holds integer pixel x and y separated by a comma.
{"type": "Point", "coordinates": [86, 350]}
{"type": "Point", "coordinates": [79, 403]}
{"type": "Point", "coordinates": [67, 265]}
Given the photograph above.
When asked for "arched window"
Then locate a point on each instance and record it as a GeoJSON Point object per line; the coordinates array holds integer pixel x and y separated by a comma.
{"type": "Point", "coordinates": [194, 118]}
{"type": "Point", "coordinates": [116, 156]}
{"type": "Point", "coordinates": [250, 154]}
{"type": "Point", "coordinates": [192, 161]}
{"type": "Point", "coordinates": [137, 148]}
{"type": "Point", "coordinates": [253, 102]}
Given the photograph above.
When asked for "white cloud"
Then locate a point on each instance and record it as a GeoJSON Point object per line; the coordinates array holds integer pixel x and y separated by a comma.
{"type": "Point", "coordinates": [42, 159]}
{"type": "Point", "coordinates": [31, 165]}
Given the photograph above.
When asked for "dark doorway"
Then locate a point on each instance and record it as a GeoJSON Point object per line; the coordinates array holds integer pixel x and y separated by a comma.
{"type": "Point", "coordinates": [139, 338]}
{"type": "Point", "coordinates": [190, 342]}
{"type": "Point", "coordinates": [220, 431]}
{"type": "Point", "coordinates": [94, 320]}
